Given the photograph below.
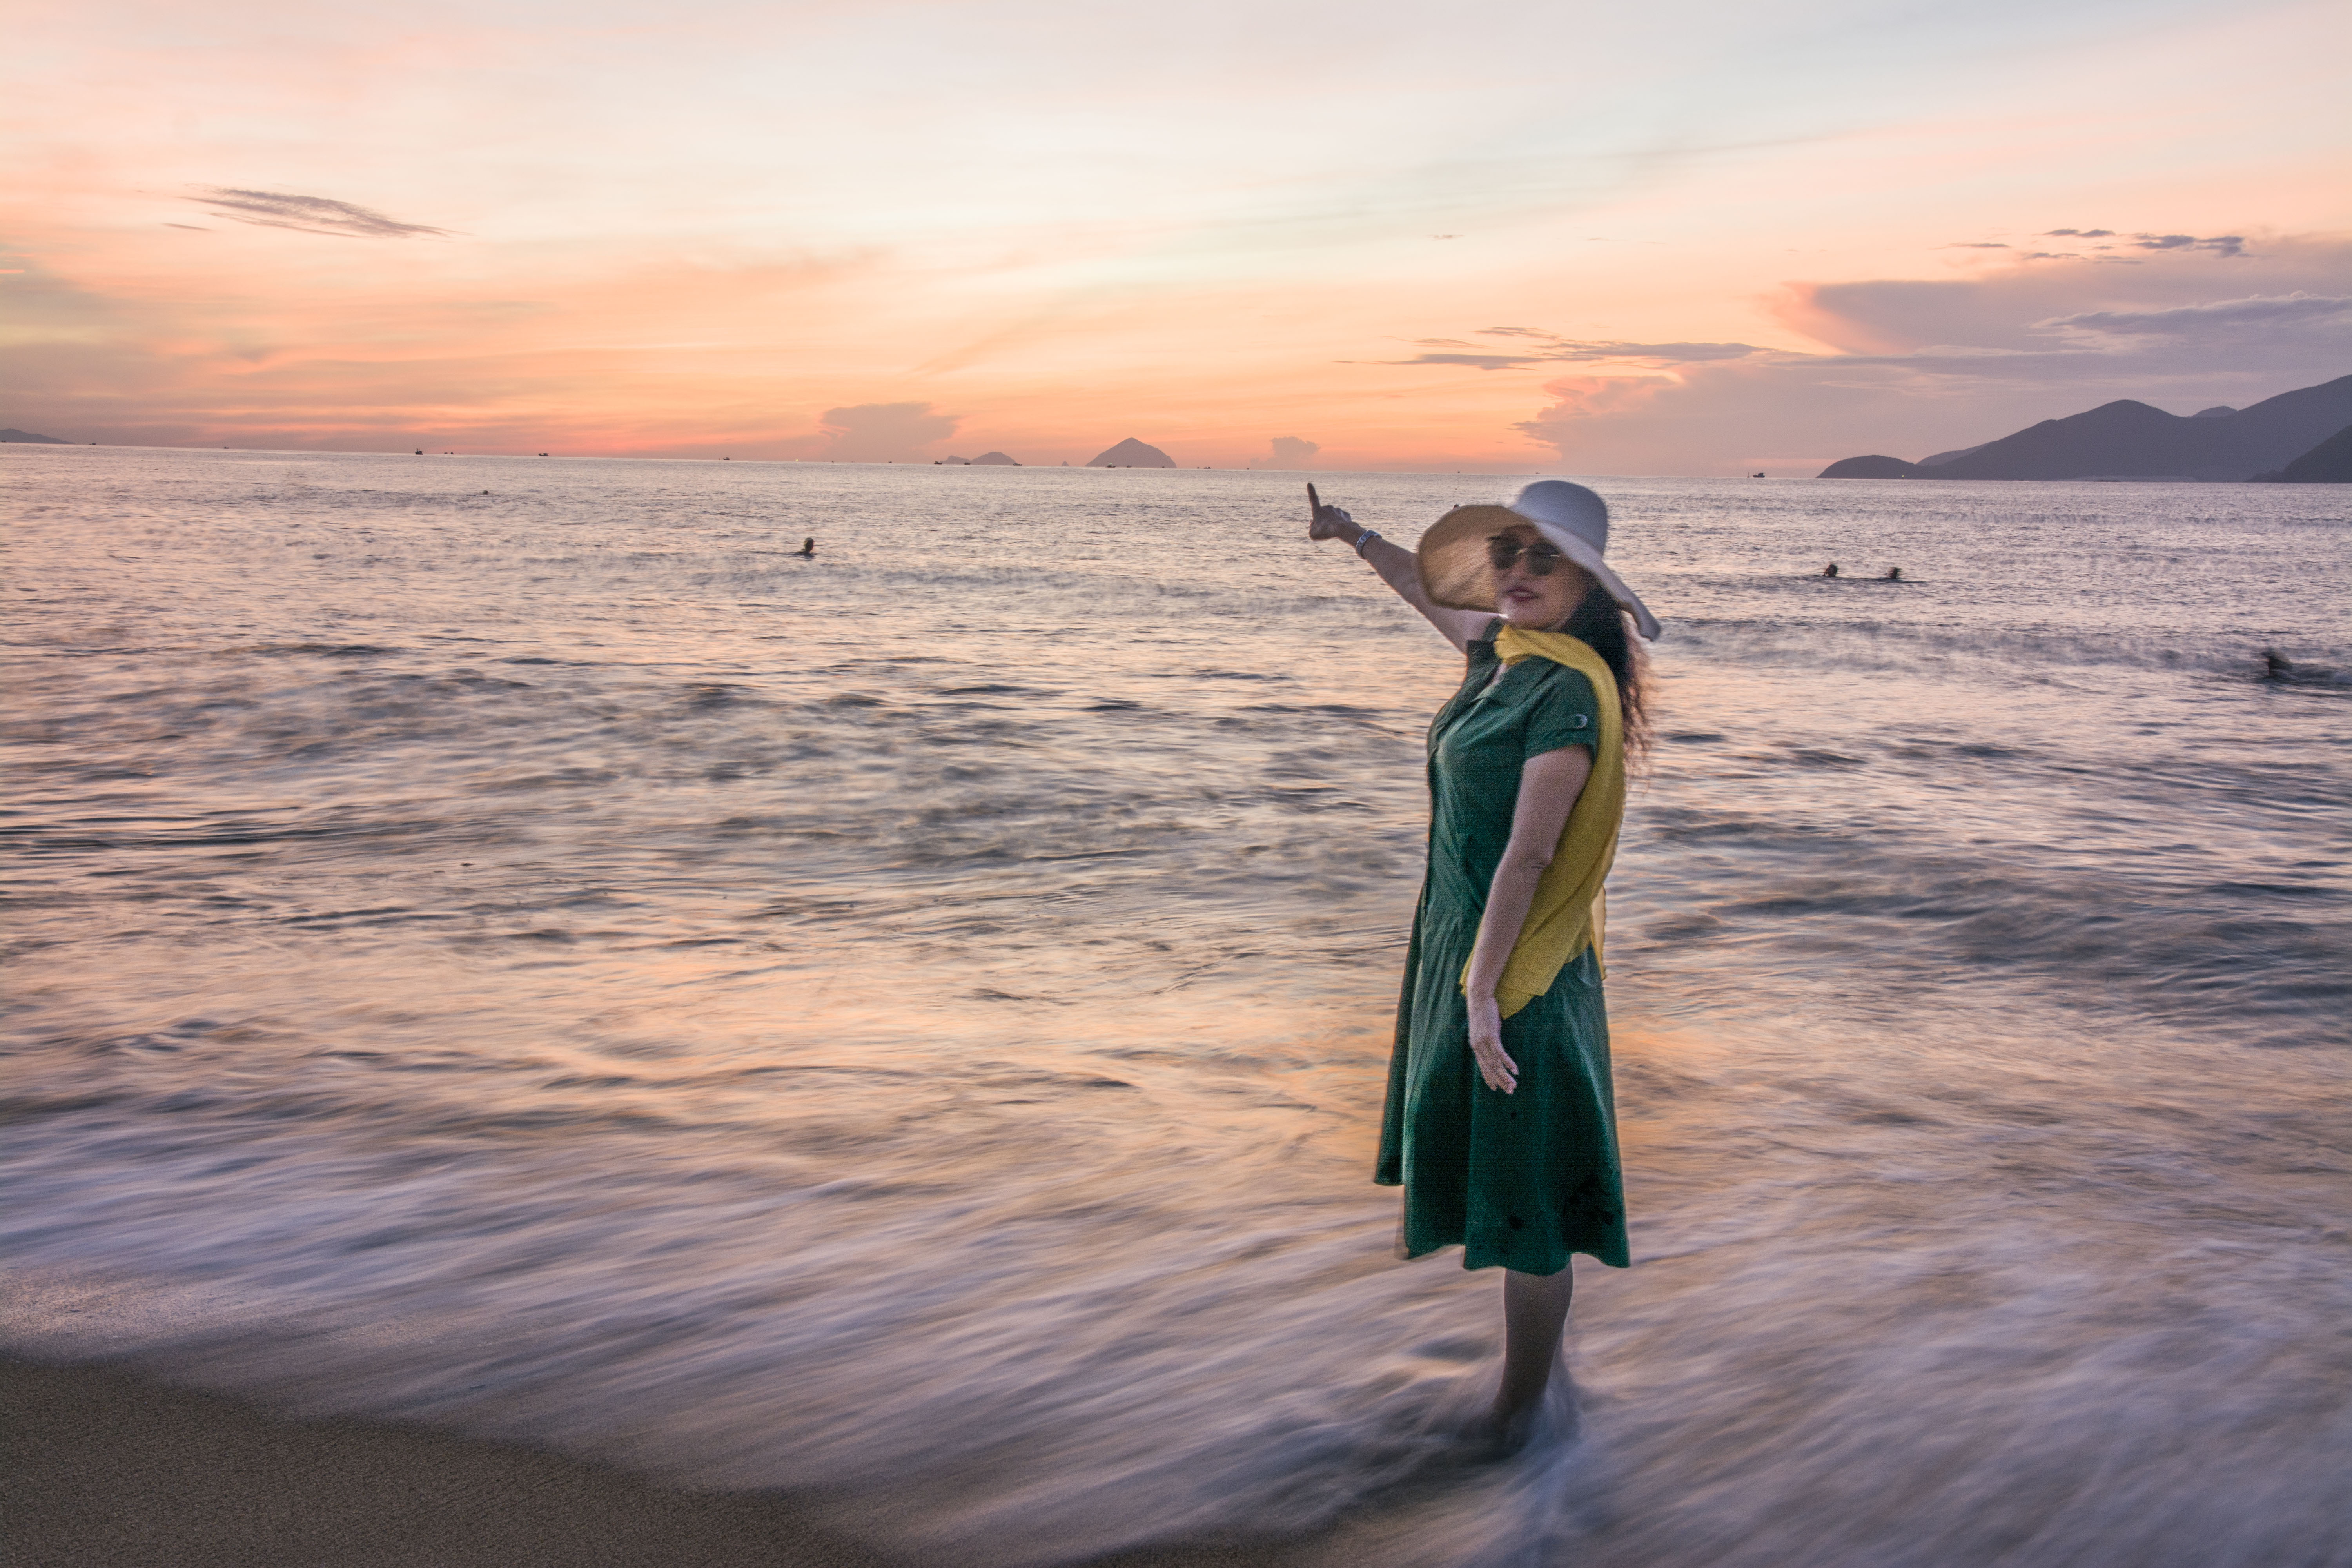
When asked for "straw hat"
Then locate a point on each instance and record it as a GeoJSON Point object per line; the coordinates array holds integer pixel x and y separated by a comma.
{"type": "Point", "coordinates": [1455, 571]}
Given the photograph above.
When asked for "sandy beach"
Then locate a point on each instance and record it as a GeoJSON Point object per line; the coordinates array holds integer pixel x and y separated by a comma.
{"type": "Point", "coordinates": [106, 1468]}
{"type": "Point", "coordinates": [103, 1469]}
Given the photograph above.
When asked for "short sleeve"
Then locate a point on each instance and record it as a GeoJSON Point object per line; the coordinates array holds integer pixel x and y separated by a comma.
{"type": "Point", "coordinates": [1566, 712]}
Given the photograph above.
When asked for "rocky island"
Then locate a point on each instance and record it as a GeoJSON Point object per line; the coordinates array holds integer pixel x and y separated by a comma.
{"type": "Point", "coordinates": [1132, 454]}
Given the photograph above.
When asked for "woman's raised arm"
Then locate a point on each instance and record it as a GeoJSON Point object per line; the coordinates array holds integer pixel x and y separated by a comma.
{"type": "Point", "coordinates": [1397, 568]}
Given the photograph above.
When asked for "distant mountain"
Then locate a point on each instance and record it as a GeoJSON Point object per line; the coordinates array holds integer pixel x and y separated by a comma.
{"type": "Point", "coordinates": [1875, 466]}
{"type": "Point", "coordinates": [2329, 463]}
{"type": "Point", "coordinates": [37, 440]}
{"type": "Point", "coordinates": [2131, 440]}
{"type": "Point", "coordinates": [1933, 459]}
{"type": "Point", "coordinates": [994, 460]}
{"type": "Point", "coordinates": [1132, 454]}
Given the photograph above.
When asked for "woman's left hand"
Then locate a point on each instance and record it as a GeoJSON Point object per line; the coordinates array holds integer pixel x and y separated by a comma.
{"type": "Point", "coordinates": [1495, 1064]}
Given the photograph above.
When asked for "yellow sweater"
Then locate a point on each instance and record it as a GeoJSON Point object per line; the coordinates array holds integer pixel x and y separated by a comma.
{"type": "Point", "coordinates": [1567, 914]}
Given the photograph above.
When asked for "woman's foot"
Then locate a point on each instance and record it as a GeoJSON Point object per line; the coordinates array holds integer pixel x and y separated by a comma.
{"type": "Point", "coordinates": [1511, 1427]}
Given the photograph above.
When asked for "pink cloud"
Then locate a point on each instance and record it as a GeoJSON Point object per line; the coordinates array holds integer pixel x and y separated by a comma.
{"type": "Point", "coordinates": [1926, 365]}
{"type": "Point", "coordinates": [884, 432]}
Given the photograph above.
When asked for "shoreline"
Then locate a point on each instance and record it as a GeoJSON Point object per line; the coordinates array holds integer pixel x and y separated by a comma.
{"type": "Point", "coordinates": [106, 1469]}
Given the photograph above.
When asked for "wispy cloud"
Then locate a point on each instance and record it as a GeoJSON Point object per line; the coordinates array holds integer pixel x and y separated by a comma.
{"type": "Point", "coordinates": [310, 214]}
{"type": "Point", "coordinates": [2218, 244]}
{"type": "Point", "coordinates": [1547, 348]}
{"type": "Point", "coordinates": [2234, 320]}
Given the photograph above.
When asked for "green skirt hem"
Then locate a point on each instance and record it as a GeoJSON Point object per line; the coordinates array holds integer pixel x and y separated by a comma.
{"type": "Point", "coordinates": [1468, 1263]}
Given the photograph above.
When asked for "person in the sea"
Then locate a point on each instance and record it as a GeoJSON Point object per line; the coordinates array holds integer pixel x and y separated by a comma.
{"type": "Point", "coordinates": [1829, 569]}
{"type": "Point", "coordinates": [1894, 573]}
{"type": "Point", "coordinates": [1499, 1123]}
{"type": "Point", "coordinates": [807, 551]}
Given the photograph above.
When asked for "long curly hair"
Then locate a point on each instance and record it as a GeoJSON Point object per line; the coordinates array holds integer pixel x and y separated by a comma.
{"type": "Point", "coordinates": [1601, 624]}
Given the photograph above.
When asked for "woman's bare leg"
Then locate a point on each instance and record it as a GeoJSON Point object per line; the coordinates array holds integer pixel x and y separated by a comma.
{"type": "Point", "coordinates": [1535, 1311]}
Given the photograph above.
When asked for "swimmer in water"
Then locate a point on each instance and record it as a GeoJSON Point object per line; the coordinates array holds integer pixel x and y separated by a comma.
{"type": "Point", "coordinates": [1894, 573]}
{"type": "Point", "coordinates": [1829, 569]}
{"type": "Point", "coordinates": [807, 552]}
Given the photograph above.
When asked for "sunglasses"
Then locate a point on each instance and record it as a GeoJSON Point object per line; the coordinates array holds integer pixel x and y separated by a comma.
{"type": "Point", "coordinates": [1503, 552]}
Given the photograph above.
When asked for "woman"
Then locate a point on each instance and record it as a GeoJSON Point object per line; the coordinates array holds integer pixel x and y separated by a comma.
{"type": "Point", "coordinates": [1500, 1124]}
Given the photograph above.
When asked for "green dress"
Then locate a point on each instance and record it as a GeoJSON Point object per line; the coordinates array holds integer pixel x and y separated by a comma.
{"type": "Point", "coordinates": [1522, 1180]}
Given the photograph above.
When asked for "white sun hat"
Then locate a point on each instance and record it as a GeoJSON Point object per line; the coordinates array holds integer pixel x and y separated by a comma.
{"type": "Point", "coordinates": [1456, 572]}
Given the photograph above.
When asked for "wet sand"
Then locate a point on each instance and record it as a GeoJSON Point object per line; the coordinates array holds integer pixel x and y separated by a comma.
{"type": "Point", "coordinates": [103, 1469]}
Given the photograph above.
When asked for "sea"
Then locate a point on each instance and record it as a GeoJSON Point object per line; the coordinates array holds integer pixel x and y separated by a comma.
{"type": "Point", "coordinates": [504, 943]}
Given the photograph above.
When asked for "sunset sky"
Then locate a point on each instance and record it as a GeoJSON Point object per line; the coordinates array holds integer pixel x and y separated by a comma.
{"type": "Point", "coordinates": [1684, 237]}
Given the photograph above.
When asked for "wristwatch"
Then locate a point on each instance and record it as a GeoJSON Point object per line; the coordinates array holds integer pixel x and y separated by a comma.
{"type": "Point", "coordinates": [1364, 537]}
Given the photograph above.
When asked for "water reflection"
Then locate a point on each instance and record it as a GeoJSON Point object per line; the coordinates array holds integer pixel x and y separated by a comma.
{"type": "Point", "coordinates": [554, 966]}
